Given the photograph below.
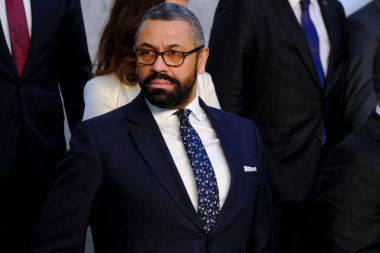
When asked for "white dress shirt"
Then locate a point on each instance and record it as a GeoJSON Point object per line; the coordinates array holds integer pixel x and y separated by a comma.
{"type": "Point", "coordinates": [316, 17]}
{"type": "Point", "coordinates": [169, 126]}
{"type": "Point", "coordinates": [378, 110]}
{"type": "Point", "coordinates": [4, 20]}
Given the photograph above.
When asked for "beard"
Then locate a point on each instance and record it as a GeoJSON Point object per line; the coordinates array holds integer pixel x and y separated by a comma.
{"type": "Point", "coordinates": [168, 99]}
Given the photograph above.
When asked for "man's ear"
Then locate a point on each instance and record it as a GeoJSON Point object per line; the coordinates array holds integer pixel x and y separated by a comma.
{"type": "Point", "coordinates": [202, 59]}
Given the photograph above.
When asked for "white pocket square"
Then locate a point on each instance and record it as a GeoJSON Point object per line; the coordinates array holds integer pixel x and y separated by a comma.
{"type": "Point", "coordinates": [250, 169]}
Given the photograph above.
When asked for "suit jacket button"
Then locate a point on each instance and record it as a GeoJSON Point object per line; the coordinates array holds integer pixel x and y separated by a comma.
{"type": "Point", "coordinates": [317, 139]}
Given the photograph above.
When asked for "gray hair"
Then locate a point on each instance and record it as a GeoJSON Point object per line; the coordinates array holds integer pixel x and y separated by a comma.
{"type": "Point", "coordinates": [171, 11]}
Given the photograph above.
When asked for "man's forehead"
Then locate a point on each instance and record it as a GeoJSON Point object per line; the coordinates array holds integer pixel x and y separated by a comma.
{"type": "Point", "coordinates": [164, 32]}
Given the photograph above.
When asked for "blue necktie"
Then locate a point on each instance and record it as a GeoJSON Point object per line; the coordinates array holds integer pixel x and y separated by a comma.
{"type": "Point", "coordinates": [207, 187]}
{"type": "Point", "coordinates": [312, 39]}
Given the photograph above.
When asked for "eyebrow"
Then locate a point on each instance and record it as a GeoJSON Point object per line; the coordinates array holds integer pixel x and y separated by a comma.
{"type": "Point", "coordinates": [145, 44]}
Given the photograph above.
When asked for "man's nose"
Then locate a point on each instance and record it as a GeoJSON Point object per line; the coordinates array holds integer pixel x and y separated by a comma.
{"type": "Point", "coordinates": [160, 65]}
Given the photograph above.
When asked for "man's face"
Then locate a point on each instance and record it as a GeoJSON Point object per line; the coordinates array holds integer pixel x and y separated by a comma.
{"type": "Point", "coordinates": [162, 85]}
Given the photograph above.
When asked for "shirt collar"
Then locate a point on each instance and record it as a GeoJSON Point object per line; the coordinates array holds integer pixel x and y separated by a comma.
{"type": "Point", "coordinates": [162, 114]}
{"type": "Point", "coordinates": [378, 109]}
{"type": "Point", "coordinates": [294, 3]}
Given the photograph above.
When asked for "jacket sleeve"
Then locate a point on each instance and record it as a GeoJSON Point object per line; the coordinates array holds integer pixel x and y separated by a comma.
{"type": "Point", "coordinates": [63, 223]}
{"type": "Point", "coordinates": [74, 64]}
{"type": "Point", "coordinates": [360, 94]}
{"type": "Point", "coordinates": [230, 49]}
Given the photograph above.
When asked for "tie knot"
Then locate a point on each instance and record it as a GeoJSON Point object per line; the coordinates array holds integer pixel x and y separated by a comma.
{"type": "Point", "coordinates": [183, 114]}
{"type": "Point", "coordinates": [305, 4]}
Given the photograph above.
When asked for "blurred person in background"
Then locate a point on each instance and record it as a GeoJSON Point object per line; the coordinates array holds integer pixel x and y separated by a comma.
{"type": "Point", "coordinates": [43, 51]}
{"type": "Point", "coordinates": [363, 37]}
{"type": "Point", "coordinates": [349, 190]}
{"type": "Point", "coordinates": [285, 71]}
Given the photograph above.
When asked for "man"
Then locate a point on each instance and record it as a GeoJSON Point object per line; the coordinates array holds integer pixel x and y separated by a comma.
{"type": "Point", "coordinates": [363, 38]}
{"type": "Point", "coordinates": [349, 187]}
{"type": "Point", "coordinates": [144, 183]}
{"type": "Point", "coordinates": [43, 51]}
{"type": "Point", "coordinates": [283, 71]}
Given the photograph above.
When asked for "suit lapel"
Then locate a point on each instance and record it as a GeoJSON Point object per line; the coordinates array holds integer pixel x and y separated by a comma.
{"type": "Point", "coordinates": [6, 56]}
{"type": "Point", "coordinates": [333, 32]}
{"type": "Point", "coordinates": [43, 13]}
{"type": "Point", "coordinates": [38, 23]}
{"type": "Point", "coordinates": [148, 138]}
{"type": "Point", "coordinates": [231, 151]}
{"type": "Point", "coordinates": [294, 29]}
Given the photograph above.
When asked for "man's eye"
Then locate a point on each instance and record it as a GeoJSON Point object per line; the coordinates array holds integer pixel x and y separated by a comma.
{"type": "Point", "coordinates": [146, 52]}
{"type": "Point", "coordinates": [173, 53]}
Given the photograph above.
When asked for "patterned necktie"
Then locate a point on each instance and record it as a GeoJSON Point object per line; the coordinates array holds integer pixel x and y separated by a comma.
{"type": "Point", "coordinates": [312, 39]}
{"type": "Point", "coordinates": [207, 187]}
{"type": "Point", "coordinates": [18, 32]}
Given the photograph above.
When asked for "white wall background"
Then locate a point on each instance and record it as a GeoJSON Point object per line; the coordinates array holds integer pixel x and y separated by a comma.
{"type": "Point", "coordinates": [95, 13]}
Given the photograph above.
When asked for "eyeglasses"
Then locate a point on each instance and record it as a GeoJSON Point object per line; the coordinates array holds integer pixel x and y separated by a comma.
{"type": "Point", "coordinates": [172, 58]}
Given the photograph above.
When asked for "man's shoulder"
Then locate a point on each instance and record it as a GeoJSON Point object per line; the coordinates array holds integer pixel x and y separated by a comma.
{"type": "Point", "coordinates": [331, 3]}
{"type": "Point", "coordinates": [227, 115]}
{"type": "Point", "coordinates": [336, 10]}
{"type": "Point", "coordinates": [235, 121]}
{"type": "Point", "coordinates": [113, 116]}
{"type": "Point", "coordinates": [107, 119]}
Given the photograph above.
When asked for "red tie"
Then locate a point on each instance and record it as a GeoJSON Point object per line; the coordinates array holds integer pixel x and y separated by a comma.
{"type": "Point", "coordinates": [18, 31]}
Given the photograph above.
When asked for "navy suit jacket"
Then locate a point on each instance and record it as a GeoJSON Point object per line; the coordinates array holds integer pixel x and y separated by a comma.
{"type": "Point", "coordinates": [120, 178]}
{"type": "Point", "coordinates": [58, 60]}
